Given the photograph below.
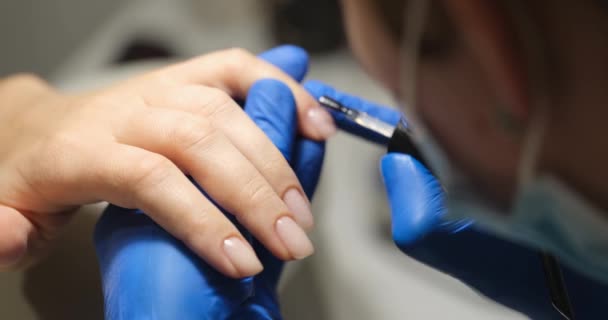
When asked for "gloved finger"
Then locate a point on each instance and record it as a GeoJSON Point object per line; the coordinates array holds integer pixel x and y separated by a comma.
{"type": "Point", "coordinates": [272, 108]}
{"type": "Point", "coordinates": [318, 89]}
{"type": "Point", "coordinates": [290, 59]}
{"type": "Point", "coordinates": [147, 273]}
{"type": "Point", "coordinates": [255, 311]}
{"type": "Point", "coordinates": [307, 163]}
{"type": "Point", "coordinates": [415, 197]}
{"type": "Point", "coordinates": [308, 158]}
{"type": "Point", "coordinates": [276, 116]}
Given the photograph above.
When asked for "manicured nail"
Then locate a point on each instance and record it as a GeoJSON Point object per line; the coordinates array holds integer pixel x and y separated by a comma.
{"type": "Point", "coordinates": [12, 255]}
{"type": "Point", "coordinates": [242, 257]}
{"type": "Point", "coordinates": [323, 121]}
{"type": "Point", "coordinates": [300, 207]}
{"type": "Point", "coordinates": [294, 238]}
{"type": "Point", "coordinates": [10, 259]}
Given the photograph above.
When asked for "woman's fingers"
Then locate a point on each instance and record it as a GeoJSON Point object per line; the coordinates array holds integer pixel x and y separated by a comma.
{"type": "Point", "coordinates": [235, 71]}
{"type": "Point", "coordinates": [111, 145]}
{"type": "Point", "coordinates": [225, 115]}
{"type": "Point", "coordinates": [227, 176]}
{"type": "Point", "coordinates": [136, 178]}
{"type": "Point", "coordinates": [16, 231]}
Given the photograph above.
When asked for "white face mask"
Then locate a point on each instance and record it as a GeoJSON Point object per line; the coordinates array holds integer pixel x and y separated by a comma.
{"type": "Point", "coordinates": [544, 213]}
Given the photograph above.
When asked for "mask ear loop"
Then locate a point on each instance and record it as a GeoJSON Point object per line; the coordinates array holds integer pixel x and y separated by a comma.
{"type": "Point", "coordinates": [415, 19]}
{"type": "Point", "coordinates": [537, 69]}
{"type": "Point", "coordinates": [414, 23]}
{"type": "Point", "coordinates": [538, 78]}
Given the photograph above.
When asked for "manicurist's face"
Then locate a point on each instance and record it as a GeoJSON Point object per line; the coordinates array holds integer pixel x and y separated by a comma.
{"type": "Point", "coordinates": [475, 90]}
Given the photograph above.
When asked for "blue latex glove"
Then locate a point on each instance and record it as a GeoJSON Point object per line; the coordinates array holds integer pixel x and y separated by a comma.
{"type": "Point", "coordinates": [149, 274]}
{"type": "Point", "coordinates": [503, 271]}
{"type": "Point", "coordinates": [415, 196]}
{"type": "Point", "coordinates": [508, 273]}
{"type": "Point", "coordinates": [272, 107]}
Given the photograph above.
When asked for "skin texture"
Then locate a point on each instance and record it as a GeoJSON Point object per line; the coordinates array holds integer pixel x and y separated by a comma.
{"type": "Point", "coordinates": [491, 64]}
{"type": "Point", "coordinates": [130, 144]}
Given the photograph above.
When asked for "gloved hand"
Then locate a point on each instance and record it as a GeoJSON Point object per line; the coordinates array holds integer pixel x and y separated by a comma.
{"type": "Point", "coordinates": [415, 196]}
{"type": "Point", "coordinates": [149, 274]}
{"type": "Point", "coordinates": [270, 104]}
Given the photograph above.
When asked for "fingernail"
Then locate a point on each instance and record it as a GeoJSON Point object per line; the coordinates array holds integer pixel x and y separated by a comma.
{"type": "Point", "coordinates": [300, 208]}
{"type": "Point", "coordinates": [13, 254]}
{"type": "Point", "coordinates": [242, 257]}
{"type": "Point", "coordinates": [323, 121]}
{"type": "Point", "coordinates": [10, 259]}
{"type": "Point", "coordinates": [294, 238]}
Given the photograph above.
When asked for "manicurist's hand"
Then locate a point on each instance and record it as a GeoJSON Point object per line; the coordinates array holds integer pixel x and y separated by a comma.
{"type": "Point", "coordinates": [415, 196]}
{"type": "Point", "coordinates": [131, 144]}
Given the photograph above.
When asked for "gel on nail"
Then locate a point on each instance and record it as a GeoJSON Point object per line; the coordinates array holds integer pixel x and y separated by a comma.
{"type": "Point", "coordinates": [242, 257]}
{"type": "Point", "coordinates": [323, 121]}
{"type": "Point", "coordinates": [294, 238]}
{"type": "Point", "coordinates": [300, 207]}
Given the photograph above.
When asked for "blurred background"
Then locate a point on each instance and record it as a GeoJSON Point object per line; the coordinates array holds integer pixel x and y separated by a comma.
{"type": "Point", "coordinates": [356, 272]}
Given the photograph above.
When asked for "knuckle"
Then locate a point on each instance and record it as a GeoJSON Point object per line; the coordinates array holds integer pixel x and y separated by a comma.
{"type": "Point", "coordinates": [161, 77]}
{"type": "Point", "coordinates": [198, 228]}
{"type": "Point", "coordinates": [218, 102]}
{"type": "Point", "coordinates": [238, 53]}
{"type": "Point", "coordinates": [191, 132]}
{"type": "Point", "coordinates": [188, 94]}
{"type": "Point", "coordinates": [54, 150]}
{"type": "Point", "coordinates": [152, 170]}
{"type": "Point", "coordinates": [219, 95]}
{"type": "Point", "coordinates": [55, 163]}
{"type": "Point", "coordinates": [257, 191]}
{"type": "Point", "coordinates": [205, 102]}
{"type": "Point", "coordinates": [275, 164]}
{"type": "Point", "coordinates": [93, 107]}
{"type": "Point", "coordinates": [237, 59]}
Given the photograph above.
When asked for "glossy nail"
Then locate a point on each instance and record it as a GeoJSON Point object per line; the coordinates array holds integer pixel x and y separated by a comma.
{"type": "Point", "coordinates": [323, 121]}
{"type": "Point", "coordinates": [242, 257]}
{"type": "Point", "coordinates": [294, 238]}
{"type": "Point", "coordinates": [300, 207]}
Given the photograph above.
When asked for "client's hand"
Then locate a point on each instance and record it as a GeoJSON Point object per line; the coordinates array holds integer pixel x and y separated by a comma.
{"type": "Point", "coordinates": [147, 273]}
{"type": "Point", "coordinates": [130, 144]}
